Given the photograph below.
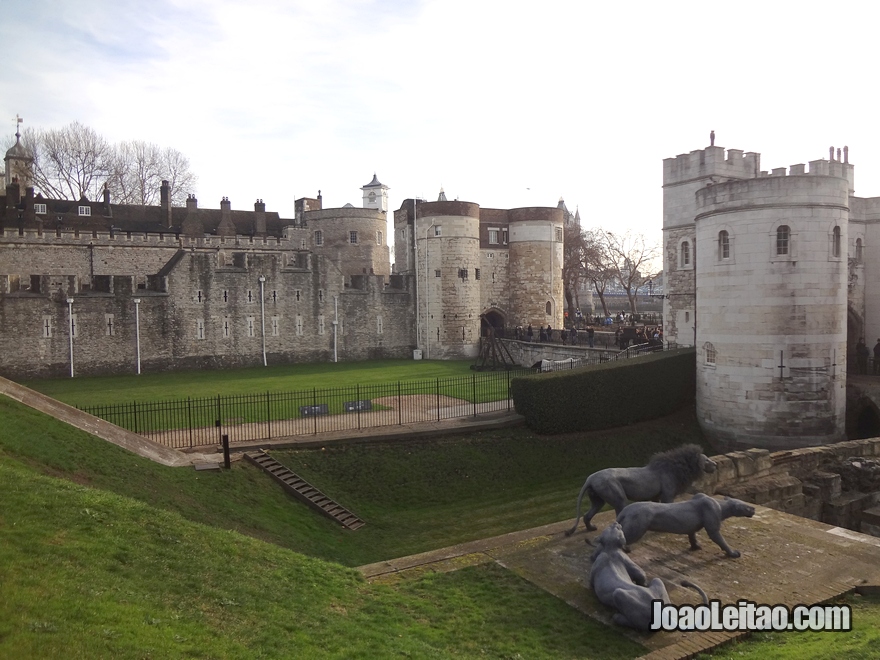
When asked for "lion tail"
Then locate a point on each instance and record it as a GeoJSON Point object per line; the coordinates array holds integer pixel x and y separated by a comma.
{"type": "Point", "coordinates": [691, 585]}
{"type": "Point", "coordinates": [577, 515]}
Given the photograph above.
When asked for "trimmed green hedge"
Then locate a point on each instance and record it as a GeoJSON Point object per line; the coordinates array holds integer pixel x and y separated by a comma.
{"type": "Point", "coordinates": [607, 395]}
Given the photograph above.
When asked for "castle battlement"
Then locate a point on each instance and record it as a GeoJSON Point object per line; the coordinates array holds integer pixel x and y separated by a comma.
{"type": "Point", "coordinates": [817, 168]}
{"type": "Point", "coordinates": [140, 239]}
{"type": "Point", "coordinates": [709, 162]}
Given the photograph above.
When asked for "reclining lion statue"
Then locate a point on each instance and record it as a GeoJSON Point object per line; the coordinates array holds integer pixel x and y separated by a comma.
{"type": "Point", "coordinates": [689, 517]}
{"type": "Point", "coordinates": [618, 582]}
{"type": "Point", "coordinates": [667, 475]}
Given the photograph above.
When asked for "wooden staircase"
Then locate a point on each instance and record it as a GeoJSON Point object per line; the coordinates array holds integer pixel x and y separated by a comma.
{"type": "Point", "coordinates": [303, 490]}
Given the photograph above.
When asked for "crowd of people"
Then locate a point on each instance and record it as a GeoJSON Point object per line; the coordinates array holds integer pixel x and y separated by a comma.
{"type": "Point", "coordinates": [624, 337]}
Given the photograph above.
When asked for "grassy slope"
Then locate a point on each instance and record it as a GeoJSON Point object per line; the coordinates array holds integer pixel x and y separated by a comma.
{"type": "Point", "coordinates": [89, 574]}
{"type": "Point", "coordinates": [414, 496]}
{"type": "Point", "coordinates": [106, 390]}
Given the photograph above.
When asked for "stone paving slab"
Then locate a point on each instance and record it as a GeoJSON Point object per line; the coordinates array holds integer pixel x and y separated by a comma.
{"type": "Point", "coordinates": [785, 560]}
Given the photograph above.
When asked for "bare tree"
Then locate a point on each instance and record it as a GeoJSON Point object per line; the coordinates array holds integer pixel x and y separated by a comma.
{"type": "Point", "coordinates": [74, 162]}
{"type": "Point", "coordinates": [629, 258]}
{"type": "Point", "coordinates": [573, 267]}
{"type": "Point", "coordinates": [597, 270]}
{"type": "Point", "coordinates": [70, 162]}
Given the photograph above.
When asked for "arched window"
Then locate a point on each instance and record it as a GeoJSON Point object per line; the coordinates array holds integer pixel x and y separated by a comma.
{"type": "Point", "coordinates": [685, 254]}
{"type": "Point", "coordinates": [783, 238]}
{"type": "Point", "coordinates": [835, 242]}
{"type": "Point", "coordinates": [711, 355]}
{"type": "Point", "coordinates": [723, 245]}
{"type": "Point", "coordinates": [548, 308]}
{"type": "Point", "coordinates": [859, 250]}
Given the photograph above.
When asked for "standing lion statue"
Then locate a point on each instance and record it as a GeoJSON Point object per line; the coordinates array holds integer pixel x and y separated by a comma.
{"type": "Point", "coordinates": [667, 475]}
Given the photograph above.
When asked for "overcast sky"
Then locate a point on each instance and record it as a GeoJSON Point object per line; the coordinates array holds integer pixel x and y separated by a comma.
{"type": "Point", "coordinates": [503, 103]}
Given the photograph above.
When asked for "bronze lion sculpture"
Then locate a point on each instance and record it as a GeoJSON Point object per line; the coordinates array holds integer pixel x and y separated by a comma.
{"type": "Point", "coordinates": [618, 582]}
{"type": "Point", "coordinates": [687, 517]}
{"type": "Point", "coordinates": [667, 475]}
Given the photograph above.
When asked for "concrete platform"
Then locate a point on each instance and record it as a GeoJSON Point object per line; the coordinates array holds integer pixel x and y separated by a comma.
{"type": "Point", "coordinates": [785, 560]}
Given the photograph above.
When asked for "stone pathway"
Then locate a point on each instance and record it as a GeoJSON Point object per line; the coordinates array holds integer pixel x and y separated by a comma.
{"type": "Point", "coordinates": [785, 560]}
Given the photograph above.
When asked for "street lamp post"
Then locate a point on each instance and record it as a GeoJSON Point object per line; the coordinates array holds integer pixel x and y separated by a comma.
{"type": "Point", "coordinates": [137, 332]}
{"type": "Point", "coordinates": [262, 281]}
{"type": "Point", "coordinates": [70, 331]}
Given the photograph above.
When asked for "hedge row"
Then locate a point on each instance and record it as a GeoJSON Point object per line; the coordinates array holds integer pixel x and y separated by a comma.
{"type": "Point", "coordinates": [607, 395]}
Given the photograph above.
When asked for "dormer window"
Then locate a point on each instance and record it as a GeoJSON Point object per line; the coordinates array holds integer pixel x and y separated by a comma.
{"type": "Point", "coordinates": [40, 209]}
{"type": "Point", "coordinates": [85, 210]}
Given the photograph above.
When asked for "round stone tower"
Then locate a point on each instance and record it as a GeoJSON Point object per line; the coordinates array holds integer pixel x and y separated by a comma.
{"type": "Point", "coordinates": [448, 244]}
{"type": "Point", "coordinates": [771, 308]}
{"type": "Point", "coordinates": [535, 267]}
{"type": "Point", "coordinates": [354, 238]}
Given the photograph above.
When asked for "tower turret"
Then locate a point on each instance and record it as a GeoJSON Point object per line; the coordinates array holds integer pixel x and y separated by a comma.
{"type": "Point", "coordinates": [375, 195]}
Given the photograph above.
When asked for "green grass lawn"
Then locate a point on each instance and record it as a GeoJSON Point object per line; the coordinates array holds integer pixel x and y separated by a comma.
{"type": "Point", "coordinates": [104, 554]}
{"type": "Point", "coordinates": [106, 390]}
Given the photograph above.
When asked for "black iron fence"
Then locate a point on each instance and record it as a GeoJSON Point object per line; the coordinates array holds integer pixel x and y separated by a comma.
{"type": "Point", "coordinates": [202, 421]}
{"type": "Point", "coordinates": [194, 422]}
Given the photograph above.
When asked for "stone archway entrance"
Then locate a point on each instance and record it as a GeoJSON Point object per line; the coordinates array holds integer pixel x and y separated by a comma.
{"type": "Point", "coordinates": [855, 328]}
{"type": "Point", "coordinates": [495, 319]}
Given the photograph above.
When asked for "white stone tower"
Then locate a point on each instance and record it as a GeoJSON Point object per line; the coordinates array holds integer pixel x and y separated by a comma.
{"type": "Point", "coordinates": [535, 265]}
{"type": "Point", "coordinates": [448, 243]}
{"type": "Point", "coordinates": [758, 261]}
{"type": "Point", "coordinates": [375, 195]}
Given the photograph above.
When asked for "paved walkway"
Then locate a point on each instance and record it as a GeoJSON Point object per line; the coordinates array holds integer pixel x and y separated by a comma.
{"type": "Point", "coordinates": [785, 560]}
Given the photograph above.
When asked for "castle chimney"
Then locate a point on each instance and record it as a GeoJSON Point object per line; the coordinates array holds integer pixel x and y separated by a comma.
{"type": "Point", "coordinates": [165, 201]}
{"type": "Point", "coordinates": [226, 226]}
{"type": "Point", "coordinates": [191, 202]}
{"type": "Point", "coordinates": [320, 201]}
{"type": "Point", "coordinates": [846, 154]}
{"type": "Point", "coordinates": [259, 218]}
{"type": "Point", "coordinates": [830, 153]}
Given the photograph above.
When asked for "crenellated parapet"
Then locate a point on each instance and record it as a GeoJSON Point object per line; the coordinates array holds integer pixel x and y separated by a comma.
{"type": "Point", "coordinates": [711, 162]}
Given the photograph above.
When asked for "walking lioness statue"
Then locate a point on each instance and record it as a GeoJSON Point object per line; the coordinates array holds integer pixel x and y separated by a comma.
{"type": "Point", "coordinates": [689, 517]}
{"type": "Point", "coordinates": [667, 475]}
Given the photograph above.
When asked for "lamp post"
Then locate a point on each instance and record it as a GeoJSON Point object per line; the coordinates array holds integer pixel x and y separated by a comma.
{"type": "Point", "coordinates": [262, 281]}
{"type": "Point", "coordinates": [427, 325]}
{"type": "Point", "coordinates": [137, 332]}
{"type": "Point", "coordinates": [70, 331]}
{"type": "Point", "coordinates": [335, 323]}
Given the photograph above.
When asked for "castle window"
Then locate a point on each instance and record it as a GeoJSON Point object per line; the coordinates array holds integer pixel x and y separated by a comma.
{"type": "Point", "coordinates": [437, 273]}
{"type": "Point", "coordinates": [559, 234]}
{"type": "Point", "coordinates": [438, 230]}
{"type": "Point", "coordinates": [250, 326]}
{"type": "Point", "coordinates": [685, 254]}
{"type": "Point", "coordinates": [493, 236]}
{"type": "Point", "coordinates": [297, 294]}
{"type": "Point", "coordinates": [200, 328]}
{"type": "Point", "coordinates": [320, 295]}
{"type": "Point", "coordinates": [250, 296]}
{"type": "Point", "coordinates": [109, 327]}
{"type": "Point", "coordinates": [476, 273]}
{"type": "Point", "coordinates": [723, 245]}
{"type": "Point", "coordinates": [783, 238]}
{"type": "Point", "coordinates": [711, 355]}
{"type": "Point", "coordinates": [353, 237]}
{"type": "Point", "coordinates": [504, 236]}
{"type": "Point", "coordinates": [835, 242]}
{"type": "Point", "coordinates": [320, 324]}
{"type": "Point", "coordinates": [859, 250]}
{"type": "Point", "coordinates": [226, 326]}
{"type": "Point", "coordinates": [199, 297]}
{"type": "Point", "coordinates": [319, 237]}
{"type": "Point", "coordinates": [463, 273]}
{"type": "Point", "coordinates": [85, 210]}
{"type": "Point", "coordinates": [47, 326]}
{"type": "Point", "coordinates": [379, 327]}
{"type": "Point", "coordinates": [275, 321]}
{"type": "Point", "coordinates": [378, 238]}
{"type": "Point", "coordinates": [36, 284]}
{"type": "Point", "coordinates": [302, 244]}
{"type": "Point", "coordinates": [372, 197]}
{"type": "Point", "coordinates": [40, 208]}
{"type": "Point", "coordinates": [491, 255]}
{"type": "Point", "coordinates": [225, 295]}
{"type": "Point", "coordinates": [548, 308]}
